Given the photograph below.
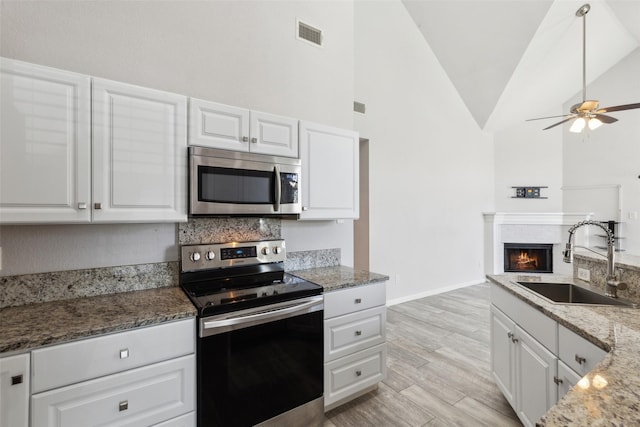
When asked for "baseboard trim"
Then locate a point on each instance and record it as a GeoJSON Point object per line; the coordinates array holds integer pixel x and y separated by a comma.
{"type": "Point", "coordinates": [434, 292]}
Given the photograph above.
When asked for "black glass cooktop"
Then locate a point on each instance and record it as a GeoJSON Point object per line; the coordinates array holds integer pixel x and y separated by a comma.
{"type": "Point", "coordinates": [225, 294]}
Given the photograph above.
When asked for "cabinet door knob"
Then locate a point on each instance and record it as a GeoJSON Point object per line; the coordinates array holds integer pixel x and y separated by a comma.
{"type": "Point", "coordinates": [97, 205]}
{"type": "Point", "coordinates": [557, 380]}
{"type": "Point", "coordinates": [358, 300]}
{"type": "Point", "coordinates": [123, 406]}
{"type": "Point", "coordinates": [16, 379]}
{"type": "Point", "coordinates": [254, 140]}
{"type": "Point", "coordinates": [358, 373]}
{"type": "Point", "coordinates": [245, 139]}
{"type": "Point", "coordinates": [124, 353]}
{"type": "Point", "coordinates": [358, 333]}
{"type": "Point", "coordinates": [82, 206]}
{"type": "Point", "coordinates": [580, 359]}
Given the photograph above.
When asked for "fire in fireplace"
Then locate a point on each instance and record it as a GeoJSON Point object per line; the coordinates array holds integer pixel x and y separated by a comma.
{"type": "Point", "coordinates": [528, 257]}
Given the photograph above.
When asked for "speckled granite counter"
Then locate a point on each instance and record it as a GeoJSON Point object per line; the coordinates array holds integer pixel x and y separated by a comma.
{"type": "Point", "coordinates": [33, 325]}
{"type": "Point", "coordinates": [615, 329]}
{"type": "Point", "coordinates": [339, 277]}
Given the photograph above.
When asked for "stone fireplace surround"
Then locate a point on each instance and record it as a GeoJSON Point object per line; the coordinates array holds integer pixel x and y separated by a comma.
{"type": "Point", "coordinates": [548, 228]}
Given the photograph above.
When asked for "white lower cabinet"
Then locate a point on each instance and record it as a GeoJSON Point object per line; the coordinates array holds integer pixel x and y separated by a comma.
{"type": "Point", "coordinates": [140, 377]}
{"type": "Point", "coordinates": [355, 350]}
{"type": "Point", "coordinates": [14, 391]}
{"type": "Point", "coordinates": [142, 396]}
{"type": "Point", "coordinates": [536, 368]}
{"type": "Point", "coordinates": [534, 361]}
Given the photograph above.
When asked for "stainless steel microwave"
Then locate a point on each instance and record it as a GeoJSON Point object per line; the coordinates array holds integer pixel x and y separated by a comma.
{"type": "Point", "coordinates": [223, 182]}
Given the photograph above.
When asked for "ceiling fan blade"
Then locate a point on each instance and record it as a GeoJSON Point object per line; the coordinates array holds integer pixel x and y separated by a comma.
{"type": "Point", "coordinates": [559, 123]}
{"type": "Point", "coordinates": [605, 119]}
{"type": "Point", "coordinates": [618, 108]}
{"type": "Point", "coordinates": [551, 117]}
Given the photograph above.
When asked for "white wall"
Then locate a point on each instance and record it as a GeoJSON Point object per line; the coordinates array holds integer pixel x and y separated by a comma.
{"type": "Point", "coordinates": [611, 154]}
{"type": "Point", "coordinates": [241, 53]}
{"type": "Point", "coordinates": [431, 167]}
{"type": "Point", "coordinates": [525, 155]}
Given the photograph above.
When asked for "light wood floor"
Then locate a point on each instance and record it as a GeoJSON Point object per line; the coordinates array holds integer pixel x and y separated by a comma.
{"type": "Point", "coordinates": [438, 368]}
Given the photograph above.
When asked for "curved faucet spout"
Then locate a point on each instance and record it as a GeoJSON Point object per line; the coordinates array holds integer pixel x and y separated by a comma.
{"type": "Point", "coordinates": [611, 266]}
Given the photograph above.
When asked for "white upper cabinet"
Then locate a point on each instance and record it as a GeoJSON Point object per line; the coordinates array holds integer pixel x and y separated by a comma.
{"type": "Point", "coordinates": [232, 128]}
{"type": "Point", "coordinates": [73, 150]}
{"type": "Point", "coordinates": [330, 179]}
{"type": "Point", "coordinates": [139, 153]}
{"type": "Point", "coordinates": [44, 144]}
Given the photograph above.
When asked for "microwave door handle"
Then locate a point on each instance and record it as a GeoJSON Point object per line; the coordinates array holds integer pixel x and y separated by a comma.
{"type": "Point", "coordinates": [278, 188]}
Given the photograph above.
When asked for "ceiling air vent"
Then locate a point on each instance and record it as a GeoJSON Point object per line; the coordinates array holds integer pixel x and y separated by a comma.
{"type": "Point", "coordinates": [309, 33]}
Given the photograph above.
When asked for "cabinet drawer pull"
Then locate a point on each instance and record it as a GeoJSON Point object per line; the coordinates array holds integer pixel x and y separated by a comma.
{"type": "Point", "coordinates": [580, 359]}
{"type": "Point", "coordinates": [358, 300]}
{"type": "Point", "coordinates": [557, 380]}
{"type": "Point", "coordinates": [123, 406]}
{"type": "Point", "coordinates": [358, 373]}
{"type": "Point", "coordinates": [16, 379]}
{"type": "Point", "coordinates": [358, 333]}
{"type": "Point", "coordinates": [124, 353]}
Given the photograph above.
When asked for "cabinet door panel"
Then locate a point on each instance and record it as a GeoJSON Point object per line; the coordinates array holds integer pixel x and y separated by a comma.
{"type": "Point", "coordinates": [330, 159]}
{"type": "Point", "coordinates": [536, 368]}
{"type": "Point", "coordinates": [218, 126]}
{"type": "Point", "coordinates": [14, 391]}
{"type": "Point", "coordinates": [44, 144]}
{"type": "Point", "coordinates": [139, 154]}
{"type": "Point", "coordinates": [274, 135]}
{"type": "Point", "coordinates": [502, 354]}
{"type": "Point", "coordinates": [568, 377]}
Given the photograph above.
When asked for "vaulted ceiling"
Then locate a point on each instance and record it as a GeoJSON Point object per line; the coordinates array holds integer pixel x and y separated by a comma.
{"type": "Point", "coordinates": [516, 59]}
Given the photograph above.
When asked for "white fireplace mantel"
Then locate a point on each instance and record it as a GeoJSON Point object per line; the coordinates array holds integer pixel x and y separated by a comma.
{"type": "Point", "coordinates": [522, 227]}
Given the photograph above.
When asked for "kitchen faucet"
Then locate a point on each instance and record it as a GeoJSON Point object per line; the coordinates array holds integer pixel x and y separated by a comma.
{"type": "Point", "coordinates": [612, 282]}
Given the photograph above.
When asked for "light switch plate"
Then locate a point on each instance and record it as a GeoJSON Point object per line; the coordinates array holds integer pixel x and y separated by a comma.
{"type": "Point", "coordinates": [584, 274]}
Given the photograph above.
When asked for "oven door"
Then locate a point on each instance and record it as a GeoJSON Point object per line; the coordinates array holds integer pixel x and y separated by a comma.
{"type": "Point", "coordinates": [256, 364]}
{"type": "Point", "coordinates": [226, 183]}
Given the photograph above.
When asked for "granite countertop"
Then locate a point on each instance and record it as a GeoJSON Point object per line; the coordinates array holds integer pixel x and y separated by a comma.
{"type": "Point", "coordinates": [29, 326]}
{"type": "Point", "coordinates": [339, 277]}
{"type": "Point", "coordinates": [613, 328]}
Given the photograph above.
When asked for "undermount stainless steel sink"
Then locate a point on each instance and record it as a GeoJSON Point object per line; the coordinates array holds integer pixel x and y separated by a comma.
{"type": "Point", "coordinates": [568, 293]}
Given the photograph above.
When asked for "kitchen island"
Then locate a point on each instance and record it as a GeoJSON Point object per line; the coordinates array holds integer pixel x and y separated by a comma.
{"type": "Point", "coordinates": [614, 329]}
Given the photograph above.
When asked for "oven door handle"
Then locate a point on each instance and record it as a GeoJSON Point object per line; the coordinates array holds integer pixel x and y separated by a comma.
{"type": "Point", "coordinates": [231, 321]}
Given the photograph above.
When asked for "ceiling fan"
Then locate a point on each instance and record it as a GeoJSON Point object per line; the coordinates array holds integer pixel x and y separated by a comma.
{"type": "Point", "coordinates": [587, 112]}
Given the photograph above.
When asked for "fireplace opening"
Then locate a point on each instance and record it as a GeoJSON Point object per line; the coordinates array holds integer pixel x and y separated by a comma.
{"type": "Point", "coordinates": [528, 257]}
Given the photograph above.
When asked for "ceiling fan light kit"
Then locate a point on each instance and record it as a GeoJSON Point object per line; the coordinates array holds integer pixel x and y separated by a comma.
{"type": "Point", "coordinates": [587, 114]}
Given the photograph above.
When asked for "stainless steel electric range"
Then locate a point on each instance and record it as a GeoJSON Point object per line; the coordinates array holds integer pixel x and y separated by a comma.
{"type": "Point", "coordinates": [260, 336]}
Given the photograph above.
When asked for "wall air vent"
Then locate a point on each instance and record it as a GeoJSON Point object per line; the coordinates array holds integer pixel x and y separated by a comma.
{"type": "Point", "coordinates": [308, 33]}
{"type": "Point", "coordinates": [358, 107]}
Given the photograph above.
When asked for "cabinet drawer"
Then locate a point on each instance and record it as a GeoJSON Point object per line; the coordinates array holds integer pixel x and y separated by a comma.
{"type": "Point", "coordinates": [578, 353]}
{"type": "Point", "coordinates": [186, 420]}
{"type": "Point", "coordinates": [77, 361]}
{"type": "Point", "coordinates": [358, 298]}
{"type": "Point", "coordinates": [142, 396]}
{"type": "Point", "coordinates": [354, 332]}
{"type": "Point", "coordinates": [537, 324]}
{"type": "Point", "coordinates": [348, 375]}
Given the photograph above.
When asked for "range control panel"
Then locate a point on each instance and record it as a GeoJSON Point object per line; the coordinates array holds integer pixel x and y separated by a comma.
{"type": "Point", "coordinates": [233, 254]}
